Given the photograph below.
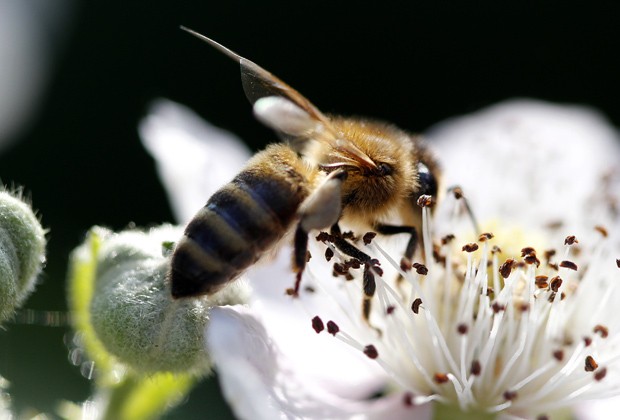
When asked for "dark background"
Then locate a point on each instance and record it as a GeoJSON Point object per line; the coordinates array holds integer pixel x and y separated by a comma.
{"type": "Point", "coordinates": [413, 63]}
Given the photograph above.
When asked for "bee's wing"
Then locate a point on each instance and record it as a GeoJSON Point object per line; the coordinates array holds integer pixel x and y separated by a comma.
{"type": "Point", "coordinates": [285, 110]}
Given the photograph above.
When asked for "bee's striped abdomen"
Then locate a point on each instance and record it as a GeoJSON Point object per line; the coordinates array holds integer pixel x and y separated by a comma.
{"type": "Point", "coordinates": [239, 222]}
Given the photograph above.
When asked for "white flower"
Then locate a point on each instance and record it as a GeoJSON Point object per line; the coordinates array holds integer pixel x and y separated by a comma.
{"type": "Point", "coordinates": [471, 330]}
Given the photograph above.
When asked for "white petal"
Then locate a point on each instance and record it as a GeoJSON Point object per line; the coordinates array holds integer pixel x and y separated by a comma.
{"type": "Point", "coordinates": [259, 382]}
{"type": "Point", "coordinates": [521, 156]}
{"type": "Point", "coordinates": [289, 321]}
{"type": "Point", "coordinates": [194, 158]}
{"type": "Point", "coordinates": [598, 410]}
{"type": "Point", "coordinates": [28, 37]}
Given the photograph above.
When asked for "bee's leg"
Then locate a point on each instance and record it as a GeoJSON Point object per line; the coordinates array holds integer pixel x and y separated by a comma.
{"type": "Point", "coordinates": [371, 266]}
{"type": "Point", "coordinates": [300, 258]}
{"type": "Point", "coordinates": [412, 244]}
{"type": "Point", "coordinates": [320, 210]}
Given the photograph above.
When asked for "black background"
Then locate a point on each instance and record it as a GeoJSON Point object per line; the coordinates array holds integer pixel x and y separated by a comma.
{"type": "Point", "coordinates": [413, 63]}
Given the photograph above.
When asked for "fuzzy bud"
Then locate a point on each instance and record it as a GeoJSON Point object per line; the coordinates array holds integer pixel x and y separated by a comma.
{"type": "Point", "coordinates": [133, 312]}
{"type": "Point", "coordinates": [22, 252]}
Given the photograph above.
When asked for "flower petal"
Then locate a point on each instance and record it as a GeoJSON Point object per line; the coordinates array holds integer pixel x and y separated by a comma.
{"type": "Point", "coordinates": [194, 158]}
{"type": "Point", "coordinates": [521, 156]}
{"type": "Point", "coordinates": [260, 383]}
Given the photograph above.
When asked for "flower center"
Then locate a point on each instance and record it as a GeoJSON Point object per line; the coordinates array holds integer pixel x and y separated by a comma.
{"type": "Point", "coordinates": [485, 329]}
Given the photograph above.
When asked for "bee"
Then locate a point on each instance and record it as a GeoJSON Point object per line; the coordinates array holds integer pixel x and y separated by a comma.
{"type": "Point", "coordinates": [329, 169]}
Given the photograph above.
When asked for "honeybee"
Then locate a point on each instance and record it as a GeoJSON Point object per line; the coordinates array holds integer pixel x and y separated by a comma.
{"type": "Point", "coordinates": [329, 169]}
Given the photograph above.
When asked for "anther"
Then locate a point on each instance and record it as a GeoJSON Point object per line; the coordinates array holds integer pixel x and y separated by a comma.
{"type": "Point", "coordinates": [600, 374]}
{"type": "Point", "coordinates": [441, 378]}
{"type": "Point", "coordinates": [368, 237]}
{"type": "Point", "coordinates": [476, 368]}
{"type": "Point", "coordinates": [471, 247]}
{"type": "Point", "coordinates": [569, 264]}
{"type": "Point", "coordinates": [556, 283]}
{"type": "Point", "coordinates": [332, 328]}
{"type": "Point", "coordinates": [571, 239]}
{"type": "Point", "coordinates": [591, 364]}
{"type": "Point", "coordinates": [510, 395]}
{"type": "Point", "coordinates": [317, 324]}
{"type": "Point", "coordinates": [602, 230]}
{"type": "Point", "coordinates": [415, 306]}
{"type": "Point", "coordinates": [506, 268]}
{"type": "Point", "coordinates": [420, 269]}
{"type": "Point", "coordinates": [558, 355]}
{"type": "Point", "coordinates": [371, 351]}
{"type": "Point", "coordinates": [485, 236]}
{"type": "Point", "coordinates": [602, 330]}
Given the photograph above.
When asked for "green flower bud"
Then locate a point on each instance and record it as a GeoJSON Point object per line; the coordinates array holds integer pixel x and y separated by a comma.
{"type": "Point", "coordinates": [22, 252]}
{"type": "Point", "coordinates": [132, 310]}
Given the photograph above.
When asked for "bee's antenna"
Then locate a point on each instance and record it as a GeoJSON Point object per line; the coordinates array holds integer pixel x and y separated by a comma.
{"type": "Point", "coordinates": [214, 44]}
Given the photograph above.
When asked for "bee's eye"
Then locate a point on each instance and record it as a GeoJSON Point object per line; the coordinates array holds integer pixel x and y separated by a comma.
{"type": "Point", "coordinates": [384, 169]}
{"type": "Point", "coordinates": [428, 183]}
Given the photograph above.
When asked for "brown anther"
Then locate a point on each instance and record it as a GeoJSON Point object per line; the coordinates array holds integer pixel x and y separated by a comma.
{"type": "Point", "coordinates": [476, 368]}
{"type": "Point", "coordinates": [458, 192]}
{"type": "Point", "coordinates": [371, 351]}
{"type": "Point", "coordinates": [602, 330]}
{"type": "Point", "coordinates": [308, 256]}
{"type": "Point", "coordinates": [415, 306]}
{"type": "Point", "coordinates": [549, 253]}
{"type": "Point", "coordinates": [602, 230]}
{"type": "Point", "coordinates": [420, 269]}
{"type": "Point", "coordinates": [329, 254]}
{"type": "Point", "coordinates": [332, 328]}
{"type": "Point", "coordinates": [591, 364]}
{"type": "Point", "coordinates": [354, 263]}
{"type": "Point", "coordinates": [317, 324]}
{"type": "Point", "coordinates": [496, 249]}
{"type": "Point", "coordinates": [497, 307]}
{"type": "Point", "coordinates": [368, 237]}
{"type": "Point", "coordinates": [471, 247]}
{"type": "Point", "coordinates": [485, 236]}
{"type": "Point", "coordinates": [441, 378]}
{"type": "Point", "coordinates": [600, 374]}
{"type": "Point", "coordinates": [405, 264]}
{"type": "Point", "coordinates": [532, 259]}
{"type": "Point", "coordinates": [528, 250]}
{"type": "Point", "coordinates": [462, 329]}
{"type": "Point", "coordinates": [323, 237]}
{"type": "Point", "coordinates": [618, 262]}
{"type": "Point", "coordinates": [524, 307]}
{"type": "Point", "coordinates": [309, 289]}
{"type": "Point", "coordinates": [390, 309]}
{"type": "Point", "coordinates": [553, 266]}
{"type": "Point", "coordinates": [587, 341]}
{"type": "Point", "coordinates": [506, 268]}
{"type": "Point", "coordinates": [447, 239]}
{"type": "Point", "coordinates": [349, 235]}
{"type": "Point", "coordinates": [541, 282]}
{"type": "Point", "coordinates": [558, 355]}
{"type": "Point", "coordinates": [568, 264]}
{"type": "Point", "coordinates": [340, 269]}
{"type": "Point", "coordinates": [291, 292]}
{"type": "Point", "coordinates": [426, 201]}
{"type": "Point", "coordinates": [510, 395]}
{"type": "Point", "coordinates": [490, 291]}
{"type": "Point", "coordinates": [571, 239]}
{"type": "Point", "coordinates": [556, 283]}
{"type": "Point", "coordinates": [408, 399]}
